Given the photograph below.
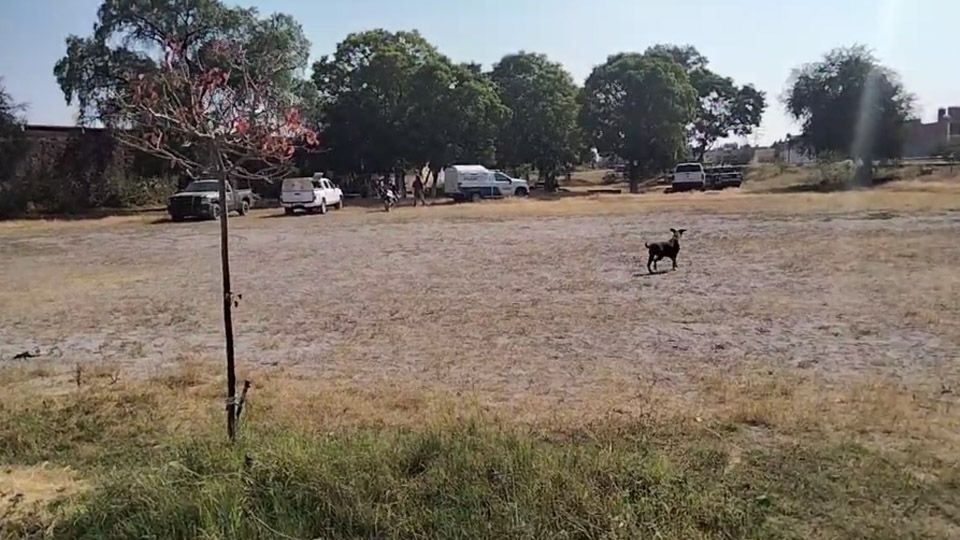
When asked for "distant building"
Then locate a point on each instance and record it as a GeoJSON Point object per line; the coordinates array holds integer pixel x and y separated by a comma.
{"type": "Point", "coordinates": [39, 131]}
{"type": "Point", "coordinates": [765, 154]}
{"type": "Point", "coordinates": [925, 140]}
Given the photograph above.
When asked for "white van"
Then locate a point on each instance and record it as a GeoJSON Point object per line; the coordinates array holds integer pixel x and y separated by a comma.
{"type": "Point", "coordinates": [688, 176]}
{"type": "Point", "coordinates": [310, 195]}
{"type": "Point", "coordinates": [474, 182]}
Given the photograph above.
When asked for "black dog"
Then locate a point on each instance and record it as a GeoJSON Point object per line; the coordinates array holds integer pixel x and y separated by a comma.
{"type": "Point", "coordinates": [664, 250]}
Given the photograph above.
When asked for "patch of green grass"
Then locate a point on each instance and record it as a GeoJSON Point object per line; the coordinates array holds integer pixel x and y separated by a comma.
{"type": "Point", "coordinates": [461, 481]}
{"type": "Point", "coordinates": [471, 478]}
{"type": "Point", "coordinates": [81, 429]}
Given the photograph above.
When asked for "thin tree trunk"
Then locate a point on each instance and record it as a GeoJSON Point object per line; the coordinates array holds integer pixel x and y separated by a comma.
{"type": "Point", "coordinates": [634, 178]}
{"type": "Point", "coordinates": [433, 185]}
{"type": "Point", "coordinates": [227, 305]}
{"type": "Point", "coordinates": [400, 182]}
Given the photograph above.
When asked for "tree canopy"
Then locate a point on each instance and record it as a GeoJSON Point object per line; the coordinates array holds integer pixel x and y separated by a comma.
{"type": "Point", "coordinates": [638, 106]}
{"type": "Point", "coordinates": [724, 109]}
{"type": "Point", "coordinates": [197, 83]}
{"type": "Point", "coordinates": [390, 99]}
{"type": "Point", "coordinates": [849, 104]}
{"type": "Point", "coordinates": [542, 129]}
{"type": "Point", "coordinates": [131, 36]}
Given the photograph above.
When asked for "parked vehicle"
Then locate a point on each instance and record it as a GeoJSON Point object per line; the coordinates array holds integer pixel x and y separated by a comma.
{"type": "Point", "coordinates": [687, 176]}
{"type": "Point", "coordinates": [475, 182]}
{"type": "Point", "coordinates": [388, 197]}
{"type": "Point", "coordinates": [201, 198]}
{"type": "Point", "coordinates": [312, 195]}
{"type": "Point", "coordinates": [724, 176]}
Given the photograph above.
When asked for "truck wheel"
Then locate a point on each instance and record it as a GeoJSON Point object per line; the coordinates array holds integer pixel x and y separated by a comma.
{"type": "Point", "coordinates": [288, 211]}
{"type": "Point", "coordinates": [522, 192]}
{"type": "Point", "coordinates": [244, 207]}
{"type": "Point", "coordinates": [339, 205]}
{"type": "Point", "coordinates": [323, 207]}
{"type": "Point", "coordinates": [177, 218]}
{"type": "Point", "coordinates": [215, 212]}
{"type": "Point", "coordinates": [475, 196]}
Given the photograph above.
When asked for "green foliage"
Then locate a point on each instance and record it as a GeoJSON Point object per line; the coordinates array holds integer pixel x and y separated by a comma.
{"type": "Point", "coordinates": [466, 478]}
{"type": "Point", "coordinates": [724, 109]}
{"type": "Point", "coordinates": [128, 34]}
{"type": "Point", "coordinates": [389, 99]}
{"type": "Point", "coordinates": [851, 105]}
{"type": "Point", "coordinates": [637, 107]}
{"type": "Point", "coordinates": [364, 97]}
{"type": "Point", "coordinates": [12, 145]}
{"type": "Point", "coordinates": [542, 129]}
{"type": "Point", "coordinates": [453, 115]}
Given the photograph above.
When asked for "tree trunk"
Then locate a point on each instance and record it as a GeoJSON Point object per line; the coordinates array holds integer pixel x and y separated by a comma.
{"type": "Point", "coordinates": [863, 174]}
{"type": "Point", "coordinates": [701, 153]}
{"type": "Point", "coordinates": [550, 183]}
{"type": "Point", "coordinates": [433, 186]}
{"type": "Point", "coordinates": [400, 182]}
{"type": "Point", "coordinates": [634, 175]}
{"type": "Point", "coordinates": [227, 306]}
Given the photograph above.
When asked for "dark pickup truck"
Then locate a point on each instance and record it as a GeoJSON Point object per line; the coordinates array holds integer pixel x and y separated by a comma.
{"type": "Point", "coordinates": [202, 199]}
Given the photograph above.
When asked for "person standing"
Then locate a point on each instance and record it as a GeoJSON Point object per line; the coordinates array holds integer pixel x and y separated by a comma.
{"type": "Point", "coordinates": [418, 191]}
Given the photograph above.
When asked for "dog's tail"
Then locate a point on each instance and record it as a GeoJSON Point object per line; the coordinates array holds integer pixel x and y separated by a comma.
{"type": "Point", "coordinates": [646, 245]}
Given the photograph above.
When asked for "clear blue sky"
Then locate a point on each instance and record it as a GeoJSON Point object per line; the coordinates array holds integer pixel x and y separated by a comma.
{"type": "Point", "coordinates": [757, 41]}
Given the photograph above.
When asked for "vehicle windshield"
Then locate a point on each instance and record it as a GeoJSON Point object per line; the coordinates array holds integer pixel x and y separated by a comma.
{"type": "Point", "coordinates": [300, 184]}
{"type": "Point", "coordinates": [203, 185]}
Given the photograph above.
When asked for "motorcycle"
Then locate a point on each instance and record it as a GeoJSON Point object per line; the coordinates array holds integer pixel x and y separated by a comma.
{"type": "Point", "coordinates": [389, 199]}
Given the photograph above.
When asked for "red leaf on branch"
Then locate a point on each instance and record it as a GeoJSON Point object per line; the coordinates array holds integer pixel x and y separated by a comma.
{"type": "Point", "coordinates": [241, 126]}
{"type": "Point", "coordinates": [292, 117]}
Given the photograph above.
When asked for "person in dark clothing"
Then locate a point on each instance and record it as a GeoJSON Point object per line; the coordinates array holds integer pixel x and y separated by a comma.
{"type": "Point", "coordinates": [418, 191]}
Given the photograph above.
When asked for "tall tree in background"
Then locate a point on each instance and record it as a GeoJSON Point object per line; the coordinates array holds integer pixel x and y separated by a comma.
{"type": "Point", "coordinates": [364, 95]}
{"type": "Point", "coordinates": [724, 109]}
{"type": "Point", "coordinates": [208, 88]}
{"type": "Point", "coordinates": [638, 107]}
{"type": "Point", "coordinates": [850, 105]}
{"type": "Point", "coordinates": [542, 129]}
{"type": "Point", "coordinates": [453, 115]}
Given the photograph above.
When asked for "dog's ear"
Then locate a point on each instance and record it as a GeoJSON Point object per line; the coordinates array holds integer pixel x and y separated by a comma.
{"type": "Point", "coordinates": [680, 232]}
{"type": "Point", "coordinates": [674, 231]}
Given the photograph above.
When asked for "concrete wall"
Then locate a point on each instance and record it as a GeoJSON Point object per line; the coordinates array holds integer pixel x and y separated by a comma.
{"type": "Point", "coordinates": [926, 139]}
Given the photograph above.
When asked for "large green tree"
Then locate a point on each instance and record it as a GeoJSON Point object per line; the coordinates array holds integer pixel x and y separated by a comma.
{"type": "Point", "coordinates": [542, 130]}
{"type": "Point", "coordinates": [638, 107]}
{"type": "Point", "coordinates": [364, 97]}
{"type": "Point", "coordinates": [453, 115]}
{"type": "Point", "coordinates": [851, 105]}
{"type": "Point", "coordinates": [129, 36]}
{"type": "Point", "coordinates": [723, 109]}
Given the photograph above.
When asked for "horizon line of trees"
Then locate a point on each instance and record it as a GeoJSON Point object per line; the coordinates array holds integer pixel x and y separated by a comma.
{"type": "Point", "coordinates": [391, 101]}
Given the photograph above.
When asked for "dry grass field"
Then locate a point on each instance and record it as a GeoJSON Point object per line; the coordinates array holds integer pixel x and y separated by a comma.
{"type": "Point", "coordinates": [792, 317]}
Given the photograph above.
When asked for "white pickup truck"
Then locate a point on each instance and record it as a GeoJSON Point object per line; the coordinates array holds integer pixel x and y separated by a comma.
{"type": "Point", "coordinates": [688, 176]}
{"type": "Point", "coordinates": [311, 195]}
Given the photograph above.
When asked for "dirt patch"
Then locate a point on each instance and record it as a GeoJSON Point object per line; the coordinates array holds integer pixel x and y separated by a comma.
{"type": "Point", "coordinates": [539, 304]}
{"type": "Point", "coordinates": [27, 490]}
